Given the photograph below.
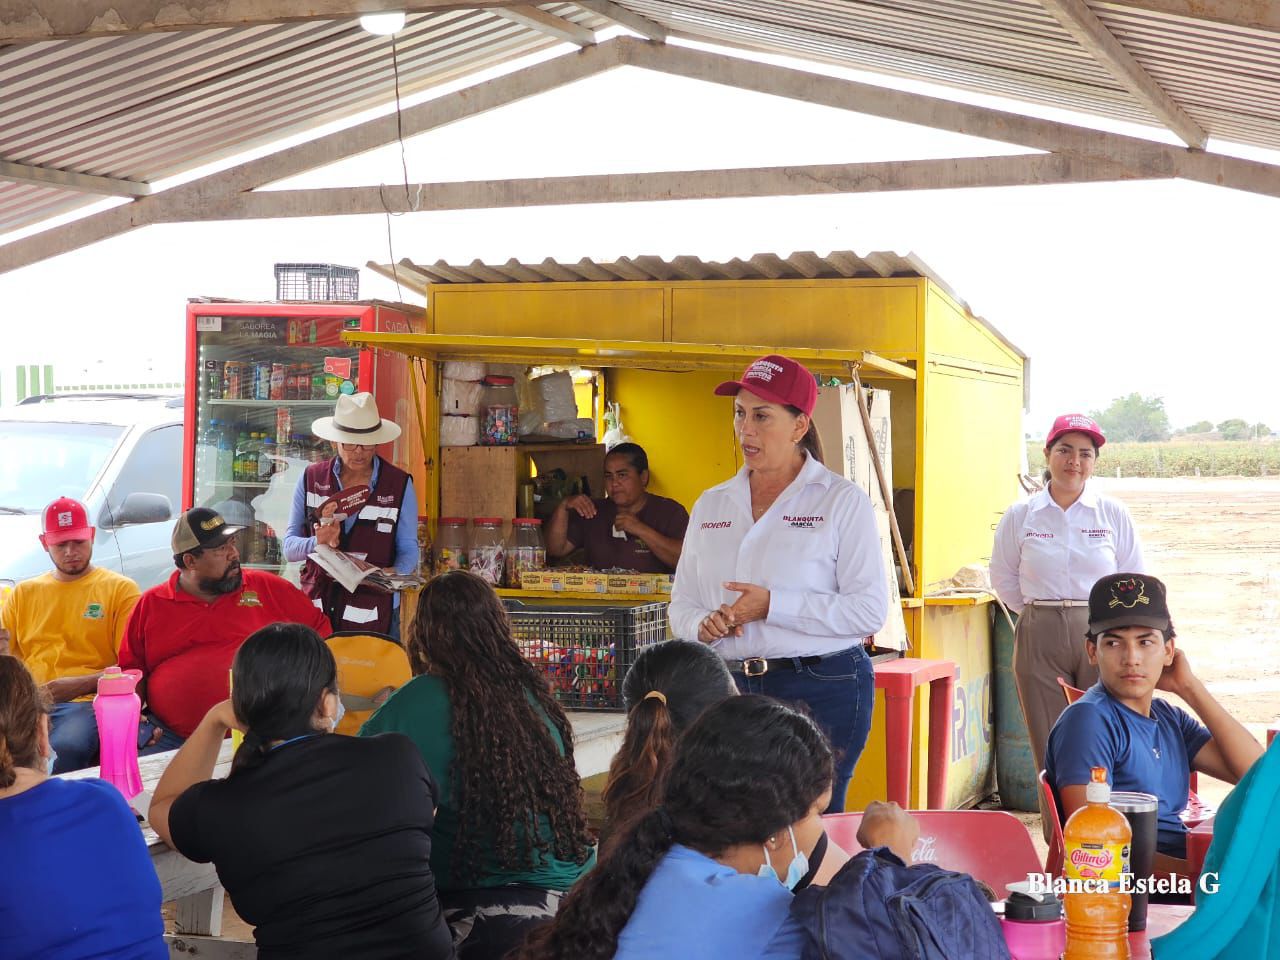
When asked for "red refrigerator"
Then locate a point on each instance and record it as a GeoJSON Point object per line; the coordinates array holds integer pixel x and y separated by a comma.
{"type": "Point", "coordinates": [257, 376]}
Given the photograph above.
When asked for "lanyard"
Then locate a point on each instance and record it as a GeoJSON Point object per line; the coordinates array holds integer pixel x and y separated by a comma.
{"type": "Point", "coordinates": [285, 743]}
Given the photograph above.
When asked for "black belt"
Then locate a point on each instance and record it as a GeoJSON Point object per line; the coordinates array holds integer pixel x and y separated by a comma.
{"type": "Point", "coordinates": [759, 666]}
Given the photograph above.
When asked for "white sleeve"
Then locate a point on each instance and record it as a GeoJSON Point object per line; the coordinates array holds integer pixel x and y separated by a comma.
{"type": "Point", "coordinates": [685, 611]}
{"type": "Point", "coordinates": [861, 605]}
{"type": "Point", "coordinates": [1128, 547]}
{"type": "Point", "coordinates": [1006, 559]}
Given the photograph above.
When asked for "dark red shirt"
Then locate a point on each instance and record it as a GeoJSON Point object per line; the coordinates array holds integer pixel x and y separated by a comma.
{"type": "Point", "coordinates": [604, 550]}
{"type": "Point", "coordinates": [184, 646]}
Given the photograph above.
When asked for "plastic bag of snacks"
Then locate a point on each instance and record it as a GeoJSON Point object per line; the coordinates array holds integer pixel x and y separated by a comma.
{"type": "Point", "coordinates": [459, 431]}
{"type": "Point", "coordinates": [460, 398]}
{"type": "Point", "coordinates": [465, 370]}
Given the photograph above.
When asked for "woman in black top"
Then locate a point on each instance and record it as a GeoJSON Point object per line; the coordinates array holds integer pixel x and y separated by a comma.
{"type": "Point", "coordinates": [322, 842]}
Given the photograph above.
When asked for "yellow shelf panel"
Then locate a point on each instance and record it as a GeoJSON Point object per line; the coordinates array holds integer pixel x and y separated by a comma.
{"type": "Point", "coordinates": [566, 595]}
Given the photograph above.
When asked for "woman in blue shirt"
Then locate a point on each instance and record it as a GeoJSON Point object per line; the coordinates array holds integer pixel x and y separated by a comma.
{"type": "Point", "coordinates": [77, 881]}
{"type": "Point", "coordinates": [708, 873]}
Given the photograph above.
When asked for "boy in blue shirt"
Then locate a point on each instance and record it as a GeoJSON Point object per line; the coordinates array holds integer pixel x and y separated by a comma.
{"type": "Point", "coordinates": [1146, 744]}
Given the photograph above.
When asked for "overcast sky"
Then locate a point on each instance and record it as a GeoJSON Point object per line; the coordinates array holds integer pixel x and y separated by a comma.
{"type": "Point", "coordinates": [1164, 288]}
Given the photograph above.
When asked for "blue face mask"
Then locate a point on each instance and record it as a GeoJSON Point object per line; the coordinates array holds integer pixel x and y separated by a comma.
{"type": "Point", "coordinates": [342, 712]}
{"type": "Point", "coordinates": [53, 758]}
{"type": "Point", "coordinates": [796, 870]}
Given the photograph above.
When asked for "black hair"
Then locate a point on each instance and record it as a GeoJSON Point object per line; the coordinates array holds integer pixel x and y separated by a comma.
{"type": "Point", "coordinates": [690, 677]}
{"type": "Point", "coordinates": [179, 558]}
{"type": "Point", "coordinates": [746, 769]}
{"type": "Point", "coordinates": [634, 453]}
{"type": "Point", "coordinates": [811, 441]}
{"type": "Point", "coordinates": [277, 678]}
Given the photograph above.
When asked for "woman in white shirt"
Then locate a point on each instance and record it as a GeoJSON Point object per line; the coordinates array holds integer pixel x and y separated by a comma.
{"type": "Point", "coordinates": [1049, 551]}
{"type": "Point", "coordinates": [781, 571]}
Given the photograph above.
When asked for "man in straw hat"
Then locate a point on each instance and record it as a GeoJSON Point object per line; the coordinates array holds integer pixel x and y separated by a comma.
{"type": "Point", "coordinates": [381, 525]}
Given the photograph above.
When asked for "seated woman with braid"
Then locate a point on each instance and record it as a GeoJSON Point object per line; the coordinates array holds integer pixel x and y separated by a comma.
{"type": "Point", "coordinates": [322, 842]}
{"type": "Point", "coordinates": [511, 833]}
{"type": "Point", "coordinates": [708, 873]}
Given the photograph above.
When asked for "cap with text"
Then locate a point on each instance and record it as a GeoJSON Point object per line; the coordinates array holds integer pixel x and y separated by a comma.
{"type": "Point", "coordinates": [66, 519]}
{"type": "Point", "coordinates": [777, 379]}
{"type": "Point", "coordinates": [200, 527]}
{"type": "Point", "coordinates": [1128, 600]}
{"type": "Point", "coordinates": [1075, 423]}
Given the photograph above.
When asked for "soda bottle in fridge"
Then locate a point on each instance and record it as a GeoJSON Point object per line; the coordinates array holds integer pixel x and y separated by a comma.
{"type": "Point", "coordinates": [1096, 858]}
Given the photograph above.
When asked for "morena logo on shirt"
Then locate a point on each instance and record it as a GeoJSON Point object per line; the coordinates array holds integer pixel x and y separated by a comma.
{"type": "Point", "coordinates": [1034, 535]}
{"type": "Point", "coordinates": [802, 523]}
{"type": "Point", "coordinates": [717, 525]}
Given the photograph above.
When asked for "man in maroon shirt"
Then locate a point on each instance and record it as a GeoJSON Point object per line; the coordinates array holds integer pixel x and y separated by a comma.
{"type": "Point", "coordinates": [183, 634]}
{"type": "Point", "coordinates": [632, 530]}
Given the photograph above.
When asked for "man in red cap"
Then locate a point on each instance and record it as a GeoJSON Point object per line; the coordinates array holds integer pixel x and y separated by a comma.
{"type": "Point", "coordinates": [66, 626]}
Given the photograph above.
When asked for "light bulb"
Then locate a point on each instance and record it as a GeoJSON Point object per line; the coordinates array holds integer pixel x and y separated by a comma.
{"type": "Point", "coordinates": [383, 24]}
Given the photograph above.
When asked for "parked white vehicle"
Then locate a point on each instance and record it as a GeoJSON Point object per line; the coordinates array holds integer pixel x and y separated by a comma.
{"type": "Point", "coordinates": [119, 454]}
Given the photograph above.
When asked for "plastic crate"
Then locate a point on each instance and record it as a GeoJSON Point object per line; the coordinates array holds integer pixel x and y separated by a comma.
{"type": "Point", "coordinates": [316, 281]}
{"type": "Point", "coordinates": [586, 651]}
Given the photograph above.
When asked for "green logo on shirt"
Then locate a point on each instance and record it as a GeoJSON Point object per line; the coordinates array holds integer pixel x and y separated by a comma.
{"type": "Point", "coordinates": [249, 599]}
{"type": "Point", "coordinates": [94, 612]}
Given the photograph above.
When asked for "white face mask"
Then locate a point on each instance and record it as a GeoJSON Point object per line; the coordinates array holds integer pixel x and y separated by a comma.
{"type": "Point", "coordinates": [342, 712]}
{"type": "Point", "coordinates": [796, 870]}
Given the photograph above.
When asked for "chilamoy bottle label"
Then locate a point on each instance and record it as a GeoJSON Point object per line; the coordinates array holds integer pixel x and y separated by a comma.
{"type": "Point", "coordinates": [1097, 861]}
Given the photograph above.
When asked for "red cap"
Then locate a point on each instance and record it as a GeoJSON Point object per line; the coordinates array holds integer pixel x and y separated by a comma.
{"type": "Point", "coordinates": [66, 519]}
{"type": "Point", "coordinates": [1075, 423]}
{"type": "Point", "coordinates": [776, 379]}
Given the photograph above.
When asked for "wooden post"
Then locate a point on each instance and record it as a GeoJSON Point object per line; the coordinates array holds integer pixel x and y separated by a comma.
{"type": "Point", "coordinates": [885, 491]}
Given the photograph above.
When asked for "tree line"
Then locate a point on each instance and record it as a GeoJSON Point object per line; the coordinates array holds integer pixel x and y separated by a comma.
{"type": "Point", "coordinates": [1142, 419]}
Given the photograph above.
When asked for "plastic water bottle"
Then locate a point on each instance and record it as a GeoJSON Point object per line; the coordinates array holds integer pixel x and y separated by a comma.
{"type": "Point", "coordinates": [118, 709]}
{"type": "Point", "coordinates": [1097, 838]}
{"type": "Point", "coordinates": [226, 454]}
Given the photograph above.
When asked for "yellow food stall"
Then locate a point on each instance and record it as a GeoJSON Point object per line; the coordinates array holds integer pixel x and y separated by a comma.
{"type": "Point", "coordinates": [660, 335]}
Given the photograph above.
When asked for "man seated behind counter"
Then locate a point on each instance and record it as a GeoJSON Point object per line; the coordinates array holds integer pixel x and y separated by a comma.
{"type": "Point", "coordinates": [1146, 744]}
{"type": "Point", "coordinates": [631, 530]}
{"type": "Point", "coordinates": [183, 634]}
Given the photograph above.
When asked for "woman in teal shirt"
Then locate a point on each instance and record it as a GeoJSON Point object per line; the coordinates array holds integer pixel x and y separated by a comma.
{"type": "Point", "coordinates": [510, 834]}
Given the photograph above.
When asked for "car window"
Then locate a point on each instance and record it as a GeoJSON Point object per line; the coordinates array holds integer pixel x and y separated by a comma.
{"type": "Point", "coordinates": [154, 466]}
{"type": "Point", "coordinates": [43, 461]}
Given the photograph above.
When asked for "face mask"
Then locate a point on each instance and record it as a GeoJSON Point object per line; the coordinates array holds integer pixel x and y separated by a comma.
{"type": "Point", "coordinates": [798, 867]}
{"type": "Point", "coordinates": [53, 758]}
{"type": "Point", "coordinates": [342, 712]}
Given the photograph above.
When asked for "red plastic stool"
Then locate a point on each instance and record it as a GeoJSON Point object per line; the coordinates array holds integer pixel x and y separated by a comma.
{"type": "Point", "coordinates": [899, 679]}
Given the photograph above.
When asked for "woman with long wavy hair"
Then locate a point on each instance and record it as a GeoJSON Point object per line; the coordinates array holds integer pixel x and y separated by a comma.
{"type": "Point", "coordinates": [666, 689]}
{"type": "Point", "coordinates": [511, 835]}
{"type": "Point", "coordinates": [708, 873]}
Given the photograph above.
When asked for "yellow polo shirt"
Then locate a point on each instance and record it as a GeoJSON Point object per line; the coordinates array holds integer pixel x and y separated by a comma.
{"type": "Point", "coordinates": [68, 629]}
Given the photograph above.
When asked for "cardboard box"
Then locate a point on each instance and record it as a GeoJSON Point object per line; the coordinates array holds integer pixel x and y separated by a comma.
{"type": "Point", "coordinates": [533, 580]}
{"type": "Point", "coordinates": [632, 583]}
{"type": "Point", "coordinates": [586, 582]}
{"type": "Point", "coordinates": [552, 580]}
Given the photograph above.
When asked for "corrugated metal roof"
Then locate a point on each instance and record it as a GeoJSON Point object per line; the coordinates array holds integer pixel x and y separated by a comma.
{"type": "Point", "coordinates": [1226, 77]}
{"type": "Point", "coordinates": [150, 106]}
{"type": "Point", "coordinates": [803, 265]}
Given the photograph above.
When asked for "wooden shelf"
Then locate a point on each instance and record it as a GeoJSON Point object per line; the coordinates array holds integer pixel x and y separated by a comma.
{"type": "Point", "coordinates": [969, 600]}
{"type": "Point", "coordinates": [513, 594]}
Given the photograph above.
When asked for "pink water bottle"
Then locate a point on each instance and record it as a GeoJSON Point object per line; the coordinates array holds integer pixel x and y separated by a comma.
{"type": "Point", "coordinates": [118, 709]}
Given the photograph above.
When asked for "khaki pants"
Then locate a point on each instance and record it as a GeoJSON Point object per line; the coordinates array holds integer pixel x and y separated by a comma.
{"type": "Point", "coordinates": [1049, 643]}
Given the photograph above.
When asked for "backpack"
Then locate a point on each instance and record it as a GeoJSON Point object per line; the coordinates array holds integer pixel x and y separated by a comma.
{"type": "Point", "coordinates": [371, 667]}
{"type": "Point", "coordinates": [877, 907]}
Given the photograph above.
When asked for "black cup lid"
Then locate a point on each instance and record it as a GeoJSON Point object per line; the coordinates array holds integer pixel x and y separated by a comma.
{"type": "Point", "coordinates": [1024, 907]}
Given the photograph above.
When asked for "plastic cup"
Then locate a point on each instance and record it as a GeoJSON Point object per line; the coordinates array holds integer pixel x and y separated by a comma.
{"type": "Point", "coordinates": [1140, 810]}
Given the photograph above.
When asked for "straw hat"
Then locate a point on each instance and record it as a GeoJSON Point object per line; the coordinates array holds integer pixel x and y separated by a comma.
{"type": "Point", "coordinates": [355, 420]}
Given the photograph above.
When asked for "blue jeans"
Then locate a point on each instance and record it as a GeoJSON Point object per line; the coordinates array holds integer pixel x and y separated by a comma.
{"type": "Point", "coordinates": [168, 739]}
{"type": "Point", "coordinates": [73, 733]}
{"type": "Point", "coordinates": [839, 693]}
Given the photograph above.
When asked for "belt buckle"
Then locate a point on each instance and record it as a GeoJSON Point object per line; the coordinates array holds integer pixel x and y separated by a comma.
{"type": "Point", "coordinates": [755, 667]}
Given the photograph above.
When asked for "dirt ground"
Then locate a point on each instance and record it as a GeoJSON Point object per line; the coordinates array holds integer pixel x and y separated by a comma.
{"type": "Point", "coordinates": [1215, 542]}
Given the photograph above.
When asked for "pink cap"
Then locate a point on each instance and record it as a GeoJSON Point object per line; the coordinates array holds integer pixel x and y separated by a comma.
{"type": "Point", "coordinates": [777, 379]}
{"type": "Point", "coordinates": [1075, 423]}
{"type": "Point", "coordinates": [66, 519]}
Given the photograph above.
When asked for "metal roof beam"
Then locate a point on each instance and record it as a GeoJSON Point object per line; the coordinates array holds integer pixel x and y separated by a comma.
{"type": "Point", "coordinates": [1251, 14]}
{"type": "Point", "coordinates": [468, 102]}
{"type": "Point", "coordinates": [71, 180]}
{"type": "Point", "coordinates": [1144, 158]}
{"type": "Point", "coordinates": [31, 20]}
{"type": "Point", "coordinates": [828, 179]}
{"type": "Point", "coordinates": [1092, 34]}
{"type": "Point", "coordinates": [649, 29]}
{"type": "Point", "coordinates": [548, 23]}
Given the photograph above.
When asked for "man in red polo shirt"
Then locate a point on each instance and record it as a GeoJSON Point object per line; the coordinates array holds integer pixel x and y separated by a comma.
{"type": "Point", "coordinates": [184, 634]}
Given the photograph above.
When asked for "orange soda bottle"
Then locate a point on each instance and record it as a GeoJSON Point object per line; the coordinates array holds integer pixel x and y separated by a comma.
{"type": "Point", "coordinates": [1096, 857]}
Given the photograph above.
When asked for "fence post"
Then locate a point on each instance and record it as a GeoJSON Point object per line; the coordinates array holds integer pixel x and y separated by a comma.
{"type": "Point", "coordinates": [21, 383]}
{"type": "Point", "coordinates": [48, 378]}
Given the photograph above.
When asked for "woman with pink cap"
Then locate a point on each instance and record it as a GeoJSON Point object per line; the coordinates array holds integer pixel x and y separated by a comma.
{"type": "Point", "coordinates": [781, 572]}
{"type": "Point", "coordinates": [1049, 551]}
